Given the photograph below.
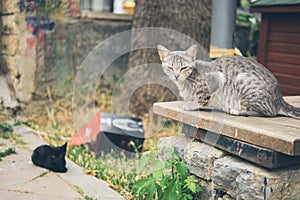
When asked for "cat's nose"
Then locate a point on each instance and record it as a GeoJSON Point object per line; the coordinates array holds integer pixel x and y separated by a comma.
{"type": "Point", "coordinates": [176, 76]}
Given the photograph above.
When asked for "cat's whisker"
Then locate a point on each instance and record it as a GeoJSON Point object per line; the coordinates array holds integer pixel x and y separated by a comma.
{"type": "Point", "coordinates": [164, 80]}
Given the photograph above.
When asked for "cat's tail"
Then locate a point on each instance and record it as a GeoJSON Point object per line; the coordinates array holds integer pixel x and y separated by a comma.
{"type": "Point", "coordinates": [288, 110]}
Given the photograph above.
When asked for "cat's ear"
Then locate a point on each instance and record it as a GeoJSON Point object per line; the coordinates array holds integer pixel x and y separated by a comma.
{"type": "Point", "coordinates": [48, 149]}
{"type": "Point", "coordinates": [64, 147]}
{"type": "Point", "coordinates": [192, 51]}
{"type": "Point", "coordinates": [162, 52]}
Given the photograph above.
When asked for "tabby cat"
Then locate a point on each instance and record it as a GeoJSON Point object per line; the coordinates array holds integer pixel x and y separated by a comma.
{"type": "Point", "coordinates": [50, 157]}
{"type": "Point", "coordinates": [232, 84]}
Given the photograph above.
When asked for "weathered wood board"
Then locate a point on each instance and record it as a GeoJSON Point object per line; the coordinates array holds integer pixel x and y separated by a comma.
{"type": "Point", "coordinates": [280, 134]}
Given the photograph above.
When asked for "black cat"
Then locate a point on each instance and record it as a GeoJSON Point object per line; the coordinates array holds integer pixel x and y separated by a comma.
{"type": "Point", "coordinates": [50, 157]}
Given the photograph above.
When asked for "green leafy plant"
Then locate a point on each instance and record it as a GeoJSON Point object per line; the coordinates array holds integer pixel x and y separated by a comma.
{"type": "Point", "coordinates": [252, 23]}
{"type": "Point", "coordinates": [167, 181]}
{"type": "Point", "coordinates": [7, 152]}
{"type": "Point", "coordinates": [6, 132]}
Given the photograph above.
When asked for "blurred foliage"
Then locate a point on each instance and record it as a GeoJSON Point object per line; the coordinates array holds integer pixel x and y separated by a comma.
{"type": "Point", "coordinates": [252, 23]}
{"type": "Point", "coordinates": [6, 132]}
{"type": "Point", "coordinates": [7, 152]}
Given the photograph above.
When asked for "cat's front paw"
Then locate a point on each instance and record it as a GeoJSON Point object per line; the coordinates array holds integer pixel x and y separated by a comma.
{"type": "Point", "coordinates": [190, 106]}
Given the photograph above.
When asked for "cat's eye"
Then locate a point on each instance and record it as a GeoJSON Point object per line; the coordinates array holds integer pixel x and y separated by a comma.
{"type": "Point", "coordinates": [170, 68]}
{"type": "Point", "coordinates": [183, 68]}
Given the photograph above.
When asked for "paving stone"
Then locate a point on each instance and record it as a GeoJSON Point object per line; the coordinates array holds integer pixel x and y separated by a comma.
{"type": "Point", "coordinates": [17, 170]}
{"type": "Point", "coordinates": [91, 186]}
{"type": "Point", "coordinates": [47, 184]}
{"type": "Point", "coordinates": [13, 195]}
{"type": "Point", "coordinates": [4, 144]}
{"type": "Point", "coordinates": [32, 140]}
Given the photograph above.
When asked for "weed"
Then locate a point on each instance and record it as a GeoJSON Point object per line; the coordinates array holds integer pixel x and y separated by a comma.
{"type": "Point", "coordinates": [6, 132]}
{"type": "Point", "coordinates": [169, 181]}
{"type": "Point", "coordinates": [43, 174]}
{"type": "Point", "coordinates": [7, 152]}
{"type": "Point", "coordinates": [88, 198]}
{"type": "Point", "coordinates": [114, 170]}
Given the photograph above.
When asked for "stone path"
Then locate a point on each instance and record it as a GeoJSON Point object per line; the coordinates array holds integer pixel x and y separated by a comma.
{"type": "Point", "coordinates": [20, 179]}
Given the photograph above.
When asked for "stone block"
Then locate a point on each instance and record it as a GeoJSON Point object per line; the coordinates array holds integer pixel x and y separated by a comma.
{"type": "Point", "coordinates": [9, 6]}
{"type": "Point", "coordinates": [10, 65]}
{"type": "Point", "coordinates": [26, 65]}
{"type": "Point", "coordinates": [242, 180]}
{"type": "Point", "coordinates": [7, 98]}
{"type": "Point", "coordinates": [177, 142]}
{"type": "Point", "coordinates": [10, 45]}
{"type": "Point", "coordinates": [45, 185]}
{"type": "Point", "coordinates": [200, 159]}
{"type": "Point", "coordinates": [9, 25]}
{"type": "Point", "coordinates": [73, 8]}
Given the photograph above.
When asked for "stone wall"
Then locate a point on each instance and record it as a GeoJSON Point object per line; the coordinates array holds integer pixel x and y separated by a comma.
{"type": "Point", "coordinates": [42, 49]}
{"type": "Point", "coordinates": [223, 176]}
{"type": "Point", "coordinates": [10, 31]}
{"type": "Point", "coordinates": [66, 48]}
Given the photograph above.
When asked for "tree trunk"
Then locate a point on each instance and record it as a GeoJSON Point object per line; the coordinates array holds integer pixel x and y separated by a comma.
{"type": "Point", "coordinates": [191, 18]}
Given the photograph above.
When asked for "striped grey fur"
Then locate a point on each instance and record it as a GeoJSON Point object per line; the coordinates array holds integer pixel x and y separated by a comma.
{"type": "Point", "coordinates": [233, 84]}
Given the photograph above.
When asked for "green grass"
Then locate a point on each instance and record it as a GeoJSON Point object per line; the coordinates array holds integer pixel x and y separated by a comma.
{"type": "Point", "coordinates": [119, 172]}
{"type": "Point", "coordinates": [7, 152]}
{"type": "Point", "coordinates": [6, 132]}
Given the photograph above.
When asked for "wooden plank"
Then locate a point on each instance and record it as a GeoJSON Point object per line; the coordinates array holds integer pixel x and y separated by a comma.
{"type": "Point", "coordinates": [288, 90]}
{"type": "Point", "coordinates": [275, 9]}
{"type": "Point", "coordinates": [258, 155]}
{"type": "Point", "coordinates": [263, 39]}
{"type": "Point", "coordinates": [284, 37]}
{"type": "Point", "coordinates": [288, 78]}
{"type": "Point", "coordinates": [286, 22]}
{"type": "Point", "coordinates": [291, 47]}
{"type": "Point", "coordinates": [294, 100]}
{"type": "Point", "coordinates": [106, 15]}
{"type": "Point", "coordinates": [279, 133]}
{"type": "Point", "coordinates": [283, 68]}
{"type": "Point", "coordinates": [282, 57]}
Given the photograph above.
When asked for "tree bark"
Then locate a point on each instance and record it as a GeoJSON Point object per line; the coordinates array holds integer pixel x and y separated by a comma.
{"type": "Point", "coordinates": [192, 18]}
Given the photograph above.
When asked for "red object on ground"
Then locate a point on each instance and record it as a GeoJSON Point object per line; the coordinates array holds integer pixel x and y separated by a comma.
{"type": "Point", "coordinates": [88, 133]}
